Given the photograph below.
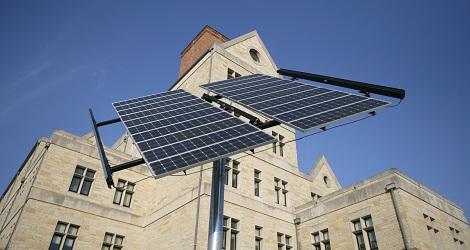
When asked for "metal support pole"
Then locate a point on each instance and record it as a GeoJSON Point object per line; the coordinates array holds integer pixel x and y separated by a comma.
{"type": "Point", "coordinates": [391, 187]}
{"type": "Point", "coordinates": [196, 228]}
{"type": "Point", "coordinates": [217, 206]}
{"type": "Point", "coordinates": [296, 223]}
{"type": "Point", "coordinates": [104, 161]}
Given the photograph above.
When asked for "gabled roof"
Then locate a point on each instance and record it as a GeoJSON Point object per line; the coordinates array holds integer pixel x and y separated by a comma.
{"type": "Point", "coordinates": [322, 166]}
{"type": "Point", "coordinates": [247, 36]}
{"type": "Point", "coordinates": [223, 47]}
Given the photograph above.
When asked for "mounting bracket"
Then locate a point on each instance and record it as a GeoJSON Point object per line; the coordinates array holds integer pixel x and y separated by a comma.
{"type": "Point", "coordinates": [107, 169]}
{"type": "Point", "coordinates": [229, 108]}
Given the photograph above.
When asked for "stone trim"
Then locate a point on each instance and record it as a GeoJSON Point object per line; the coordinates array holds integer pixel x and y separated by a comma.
{"type": "Point", "coordinates": [373, 187]}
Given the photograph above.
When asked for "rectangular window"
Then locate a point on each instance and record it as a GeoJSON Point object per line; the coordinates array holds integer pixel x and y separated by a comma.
{"type": "Point", "coordinates": [326, 239]}
{"type": "Point", "coordinates": [280, 242]}
{"type": "Point", "coordinates": [64, 237]}
{"type": "Point", "coordinates": [235, 173]}
{"type": "Point", "coordinates": [363, 230]}
{"type": "Point", "coordinates": [279, 238]}
{"type": "Point", "coordinates": [274, 143]}
{"type": "Point", "coordinates": [327, 246]}
{"type": "Point", "coordinates": [124, 192]}
{"type": "Point", "coordinates": [257, 182]}
{"type": "Point", "coordinates": [361, 245]}
{"type": "Point", "coordinates": [258, 231]}
{"type": "Point", "coordinates": [233, 241]}
{"type": "Point", "coordinates": [258, 237]}
{"type": "Point", "coordinates": [277, 189]}
{"type": "Point", "coordinates": [227, 172]}
{"type": "Point", "coordinates": [321, 240]}
{"type": "Point", "coordinates": [288, 242]}
{"type": "Point", "coordinates": [284, 193]}
{"type": "Point", "coordinates": [112, 242]}
{"type": "Point", "coordinates": [257, 244]}
{"type": "Point", "coordinates": [316, 241]}
{"type": "Point", "coordinates": [280, 140]}
{"type": "Point", "coordinates": [257, 173]}
{"type": "Point", "coordinates": [224, 240]}
{"type": "Point", "coordinates": [372, 239]}
{"type": "Point", "coordinates": [232, 231]}
{"type": "Point", "coordinates": [280, 187]}
{"type": "Point", "coordinates": [284, 241]}
{"type": "Point", "coordinates": [232, 172]}
{"type": "Point", "coordinates": [234, 179]}
{"type": "Point", "coordinates": [233, 224]}
{"type": "Point", "coordinates": [82, 180]}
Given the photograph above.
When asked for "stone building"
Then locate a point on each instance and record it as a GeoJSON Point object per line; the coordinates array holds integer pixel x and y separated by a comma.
{"type": "Point", "coordinates": [59, 198]}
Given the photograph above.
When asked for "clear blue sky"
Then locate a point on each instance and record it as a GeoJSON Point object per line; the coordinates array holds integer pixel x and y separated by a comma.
{"type": "Point", "coordinates": [59, 58]}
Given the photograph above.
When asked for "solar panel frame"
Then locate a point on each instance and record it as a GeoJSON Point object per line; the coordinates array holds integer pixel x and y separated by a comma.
{"type": "Point", "coordinates": [175, 131]}
{"type": "Point", "coordinates": [302, 106]}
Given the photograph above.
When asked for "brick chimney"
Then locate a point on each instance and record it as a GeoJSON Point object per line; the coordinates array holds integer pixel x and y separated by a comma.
{"type": "Point", "coordinates": [198, 46]}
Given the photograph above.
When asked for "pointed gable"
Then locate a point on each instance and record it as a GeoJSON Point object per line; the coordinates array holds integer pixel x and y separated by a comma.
{"type": "Point", "coordinates": [251, 49]}
{"type": "Point", "coordinates": [323, 177]}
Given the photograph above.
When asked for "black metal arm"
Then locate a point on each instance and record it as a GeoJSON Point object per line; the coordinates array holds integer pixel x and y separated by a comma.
{"type": "Point", "coordinates": [361, 86]}
{"type": "Point", "coordinates": [104, 160]}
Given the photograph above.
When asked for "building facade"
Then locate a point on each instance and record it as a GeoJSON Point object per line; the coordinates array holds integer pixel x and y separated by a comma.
{"type": "Point", "coordinates": [59, 198]}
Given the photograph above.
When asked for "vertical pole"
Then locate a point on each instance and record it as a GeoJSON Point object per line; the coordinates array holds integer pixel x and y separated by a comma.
{"type": "Point", "coordinates": [196, 228]}
{"type": "Point", "coordinates": [217, 206]}
{"type": "Point", "coordinates": [391, 187]}
{"type": "Point", "coordinates": [297, 222]}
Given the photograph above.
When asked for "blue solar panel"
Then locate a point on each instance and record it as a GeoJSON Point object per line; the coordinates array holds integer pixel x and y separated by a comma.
{"type": "Point", "coordinates": [299, 105]}
{"type": "Point", "coordinates": [175, 131]}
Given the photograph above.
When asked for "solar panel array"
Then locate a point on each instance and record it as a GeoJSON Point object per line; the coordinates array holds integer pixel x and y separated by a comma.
{"type": "Point", "coordinates": [175, 131]}
{"type": "Point", "coordinates": [299, 105]}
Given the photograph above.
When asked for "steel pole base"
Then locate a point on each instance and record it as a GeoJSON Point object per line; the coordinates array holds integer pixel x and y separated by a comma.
{"type": "Point", "coordinates": [217, 206]}
{"type": "Point", "coordinates": [215, 241]}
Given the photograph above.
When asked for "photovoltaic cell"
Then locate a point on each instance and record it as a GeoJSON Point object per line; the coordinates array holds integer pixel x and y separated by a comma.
{"type": "Point", "coordinates": [175, 131]}
{"type": "Point", "coordinates": [299, 105]}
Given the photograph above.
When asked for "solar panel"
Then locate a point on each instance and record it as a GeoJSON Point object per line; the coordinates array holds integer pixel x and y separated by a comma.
{"type": "Point", "coordinates": [302, 106]}
{"type": "Point", "coordinates": [175, 131]}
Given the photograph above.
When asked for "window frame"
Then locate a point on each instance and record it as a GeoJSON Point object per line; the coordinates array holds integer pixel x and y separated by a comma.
{"type": "Point", "coordinates": [113, 245]}
{"type": "Point", "coordinates": [64, 235]}
{"type": "Point", "coordinates": [281, 145]}
{"type": "Point", "coordinates": [235, 173]}
{"type": "Point", "coordinates": [232, 173]}
{"type": "Point", "coordinates": [257, 183]}
{"type": "Point", "coordinates": [277, 188]}
{"type": "Point", "coordinates": [363, 230]}
{"type": "Point", "coordinates": [321, 239]}
{"type": "Point", "coordinates": [284, 192]}
{"type": "Point", "coordinates": [124, 191]}
{"type": "Point", "coordinates": [230, 227]}
{"type": "Point", "coordinates": [258, 237]}
{"type": "Point", "coordinates": [77, 184]}
{"type": "Point", "coordinates": [274, 144]}
{"type": "Point", "coordinates": [279, 142]}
